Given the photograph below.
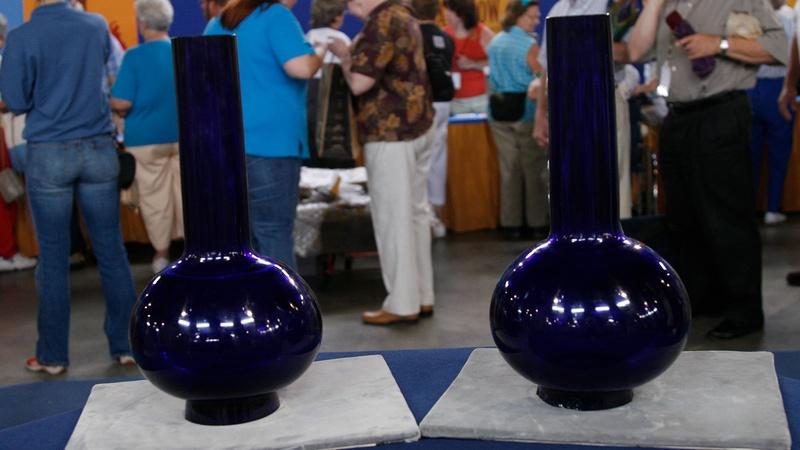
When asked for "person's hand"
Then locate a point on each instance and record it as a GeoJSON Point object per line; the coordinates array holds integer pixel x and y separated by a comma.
{"type": "Point", "coordinates": [540, 131]}
{"type": "Point", "coordinates": [339, 48]}
{"type": "Point", "coordinates": [320, 48]}
{"type": "Point", "coordinates": [533, 89]}
{"type": "Point", "coordinates": [786, 100]}
{"type": "Point", "coordinates": [466, 63]}
{"type": "Point", "coordinates": [646, 88]}
{"type": "Point", "coordinates": [700, 45]}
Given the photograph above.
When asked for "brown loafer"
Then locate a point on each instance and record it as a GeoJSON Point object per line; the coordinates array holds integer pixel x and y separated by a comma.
{"type": "Point", "coordinates": [381, 317]}
{"type": "Point", "coordinates": [425, 311]}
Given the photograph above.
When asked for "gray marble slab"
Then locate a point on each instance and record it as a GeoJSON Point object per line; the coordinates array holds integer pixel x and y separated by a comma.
{"type": "Point", "coordinates": [337, 403]}
{"type": "Point", "coordinates": [705, 400]}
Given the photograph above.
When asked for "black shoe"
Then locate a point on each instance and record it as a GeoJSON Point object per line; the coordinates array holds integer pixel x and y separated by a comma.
{"type": "Point", "coordinates": [511, 233]}
{"type": "Point", "coordinates": [793, 278]}
{"type": "Point", "coordinates": [731, 329]}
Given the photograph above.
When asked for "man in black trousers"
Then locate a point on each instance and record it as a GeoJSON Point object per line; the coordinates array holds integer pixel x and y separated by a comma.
{"type": "Point", "coordinates": [705, 146]}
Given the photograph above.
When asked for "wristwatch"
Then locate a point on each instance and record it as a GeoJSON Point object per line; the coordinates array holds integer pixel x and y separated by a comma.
{"type": "Point", "coordinates": [723, 46]}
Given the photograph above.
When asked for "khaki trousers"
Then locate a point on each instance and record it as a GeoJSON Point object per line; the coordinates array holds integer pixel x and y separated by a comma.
{"type": "Point", "coordinates": [158, 180]}
{"type": "Point", "coordinates": [523, 175]}
{"type": "Point", "coordinates": [623, 155]}
{"type": "Point", "coordinates": [397, 173]}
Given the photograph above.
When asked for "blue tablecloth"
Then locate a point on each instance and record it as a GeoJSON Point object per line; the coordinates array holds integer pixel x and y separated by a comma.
{"type": "Point", "coordinates": [43, 415]}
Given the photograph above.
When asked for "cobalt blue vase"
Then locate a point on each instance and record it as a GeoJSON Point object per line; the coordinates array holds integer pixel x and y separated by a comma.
{"type": "Point", "coordinates": [223, 327]}
{"type": "Point", "coordinates": [589, 313]}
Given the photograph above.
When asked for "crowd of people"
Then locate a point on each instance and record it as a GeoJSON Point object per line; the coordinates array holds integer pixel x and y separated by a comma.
{"type": "Point", "coordinates": [406, 75]}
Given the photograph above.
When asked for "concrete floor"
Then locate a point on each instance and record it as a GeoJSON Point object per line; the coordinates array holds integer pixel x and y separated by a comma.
{"type": "Point", "coordinates": [466, 269]}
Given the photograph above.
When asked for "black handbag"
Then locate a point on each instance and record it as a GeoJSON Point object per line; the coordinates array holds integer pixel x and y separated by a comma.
{"type": "Point", "coordinates": [507, 106]}
{"type": "Point", "coordinates": [127, 170]}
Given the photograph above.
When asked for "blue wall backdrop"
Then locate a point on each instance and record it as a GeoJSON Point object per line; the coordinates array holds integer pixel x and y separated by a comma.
{"type": "Point", "coordinates": [189, 19]}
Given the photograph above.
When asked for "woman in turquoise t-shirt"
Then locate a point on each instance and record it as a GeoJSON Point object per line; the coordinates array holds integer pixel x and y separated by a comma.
{"type": "Point", "coordinates": [275, 62]}
{"type": "Point", "coordinates": [144, 94]}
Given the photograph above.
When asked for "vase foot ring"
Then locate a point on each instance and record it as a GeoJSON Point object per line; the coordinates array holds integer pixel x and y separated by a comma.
{"type": "Point", "coordinates": [585, 401]}
{"type": "Point", "coordinates": [231, 411]}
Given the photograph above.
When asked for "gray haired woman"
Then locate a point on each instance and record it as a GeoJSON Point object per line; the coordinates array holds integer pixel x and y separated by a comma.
{"type": "Point", "coordinates": [144, 94]}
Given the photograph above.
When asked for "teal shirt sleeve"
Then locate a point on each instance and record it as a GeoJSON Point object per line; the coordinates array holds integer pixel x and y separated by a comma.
{"type": "Point", "coordinates": [214, 27]}
{"type": "Point", "coordinates": [286, 37]}
{"type": "Point", "coordinates": [125, 84]}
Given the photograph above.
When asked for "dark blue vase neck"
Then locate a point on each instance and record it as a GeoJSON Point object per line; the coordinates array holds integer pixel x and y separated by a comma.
{"type": "Point", "coordinates": [213, 177]}
{"type": "Point", "coordinates": [584, 190]}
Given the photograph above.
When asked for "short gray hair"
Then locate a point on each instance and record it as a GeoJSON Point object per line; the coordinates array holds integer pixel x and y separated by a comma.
{"type": "Point", "coordinates": [3, 26]}
{"type": "Point", "coordinates": [155, 14]}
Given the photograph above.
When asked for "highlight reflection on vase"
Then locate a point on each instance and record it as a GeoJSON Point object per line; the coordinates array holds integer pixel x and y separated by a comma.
{"type": "Point", "coordinates": [222, 327]}
{"type": "Point", "coordinates": [589, 313]}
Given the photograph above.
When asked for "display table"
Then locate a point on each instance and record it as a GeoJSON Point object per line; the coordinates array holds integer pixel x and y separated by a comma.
{"type": "Point", "coordinates": [473, 176]}
{"type": "Point", "coordinates": [43, 415]}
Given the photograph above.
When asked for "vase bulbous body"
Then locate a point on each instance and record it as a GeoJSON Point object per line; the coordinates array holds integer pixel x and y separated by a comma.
{"type": "Point", "coordinates": [589, 313]}
{"type": "Point", "coordinates": [222, 327]}
{"type": "Point", "coordinates": [593, 314]}
{"type": "Point", "coordinates": [225, 326]}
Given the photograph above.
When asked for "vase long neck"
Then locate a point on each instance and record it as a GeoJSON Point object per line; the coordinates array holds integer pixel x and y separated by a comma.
{"type": "Point", "coordinates": [213, 177]}
{"type": "Point", "coordinates": [584, 189]}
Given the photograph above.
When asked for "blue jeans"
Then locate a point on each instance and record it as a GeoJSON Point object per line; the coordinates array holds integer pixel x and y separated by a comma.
{"type": "Point", "coordinates": [272, 184]}
{"type": "Point", "coordinates": [770, 128]}
{"type": "Point", "coordinates": [57, 172]}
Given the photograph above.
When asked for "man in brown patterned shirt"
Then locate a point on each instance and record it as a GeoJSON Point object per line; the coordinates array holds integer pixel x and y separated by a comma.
{"type": "Point", "coordinates": [386, 71]}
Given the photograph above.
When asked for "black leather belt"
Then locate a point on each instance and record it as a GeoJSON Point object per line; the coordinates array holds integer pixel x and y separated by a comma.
{"type": "Point", "coordinates": [704, 103]}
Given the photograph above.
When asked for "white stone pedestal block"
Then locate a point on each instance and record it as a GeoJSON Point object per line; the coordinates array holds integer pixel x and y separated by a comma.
{"type": "Point", "coordinates": [337, 403]}
{"type": "Point", "coordinates": [705, 400]}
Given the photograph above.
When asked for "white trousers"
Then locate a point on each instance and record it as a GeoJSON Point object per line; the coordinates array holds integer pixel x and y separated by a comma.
{"type": "Point", "coordinates": [437, 176]}
{"type": "Point", "coordinates": [397, 173]}
{"type": "Point", "coordinates": [623, 155]}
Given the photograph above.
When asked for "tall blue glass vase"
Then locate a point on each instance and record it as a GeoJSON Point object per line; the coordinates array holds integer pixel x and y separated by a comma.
{"type": "Point", "coordinates": [589, 313]}
{"type": "Point", "coordinates": [223, 327]}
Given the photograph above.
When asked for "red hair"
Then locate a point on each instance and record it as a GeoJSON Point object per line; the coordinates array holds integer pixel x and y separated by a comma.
{"type": "Point", "coordinates": [238, 10]}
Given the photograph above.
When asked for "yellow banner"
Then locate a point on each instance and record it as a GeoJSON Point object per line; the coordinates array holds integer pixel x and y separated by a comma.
{"type": "Point", "coordinates": [491, 12]}
{"type": "Point", "coordinates": [119, 14]}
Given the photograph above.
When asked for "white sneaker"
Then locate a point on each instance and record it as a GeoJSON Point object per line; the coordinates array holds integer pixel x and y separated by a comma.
{"type": "Point", "coordinates": [22, 262]}
{"type": "Point", "coordinates": [6, 265]}
{"type": "Point", "coordinates": [772, 218]}
{"type": "Point", "coordinates": [438, 228]}
{"type": "Point", "coordinates": [34, 365]}
{"type": "Point", "coordinates": [16, 262]}
{"type": "Point", "coordinates": [126, 360]}
{"type": "Point", "coordinates": [159, 264]}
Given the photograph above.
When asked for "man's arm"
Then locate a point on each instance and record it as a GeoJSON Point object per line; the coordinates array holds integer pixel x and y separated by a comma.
{"type": "Point", "coordinates": [770, 47]}
{"type": "Point", "coordinates": [643, 35]}
{"type": "Point", "coordinates": [786, 100]}
{"type": "Point", "coordinates": [359, 83]}
{"type": "Point", "coordinates": [741, 49]}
